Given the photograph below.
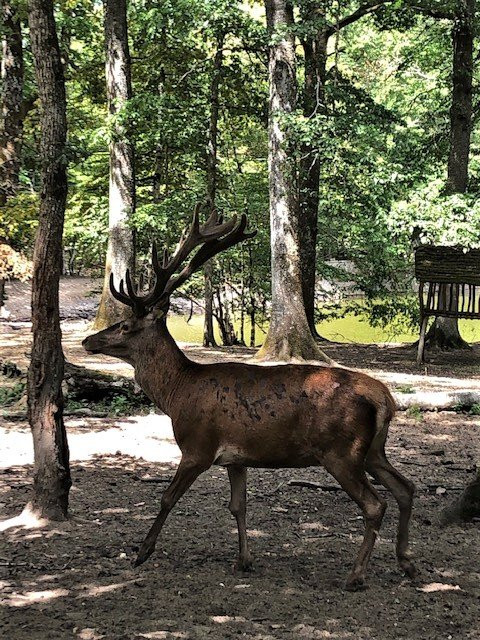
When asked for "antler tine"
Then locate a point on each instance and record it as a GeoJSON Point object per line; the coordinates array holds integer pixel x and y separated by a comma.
{"type": "Point", "coordinates": [211, 221]}
{"type": "Point", "coordinates": [210, 249]}
{"type": "Point", "coordinates": [155, 264]}
{"type": "Point", "coordinates": [165, 258]}
{"type": "Point", "coordinates": [220, 229]}
{"type": "Point", "coordinates": [119, 295]}
{"type": "Point", "coordinates": [130, 288]}
{"type": "Point", "coordinates": [214, 236]}
{"type": "Point", "coordinates": [195, 226]}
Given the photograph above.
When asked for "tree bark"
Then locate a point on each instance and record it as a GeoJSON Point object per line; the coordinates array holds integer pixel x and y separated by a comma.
{"type": "Point", "coordinates": [212, 181]}
{"type": "Point", "coordinates": [289, 337]}
{"type": "Point", "coordinates": [121, 238]}
{"type": "Point", "coordinates": [52, 481]}
{"type": "Point", "coordinates": [444, 332]}
{"type": "Point", "coordinates": [461, 107]}
{"type": "Point", "coordinates": [466, 506]}
{"type": "Point", "coordinates": [11, 112]}
{"type": "Point", "coordinates": [315, 54]}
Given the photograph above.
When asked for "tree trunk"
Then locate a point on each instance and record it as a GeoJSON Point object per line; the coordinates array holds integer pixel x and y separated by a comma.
{"type": "Point", "coordinates": [2, 297]}
{"type": "Point", "coordinates": [212, 180]}
{"type": "Point", "coordinates": [208, 333]}
{"type": "Point", "coordinates": [315, 53]}
{"type": "Point", "coordinates": [121, 240]}
{"type": "Point", "coordinates": [11, 113]}
{"type": "Point", "coordinates": [289, 337]}
{"type": "Point", "coordinates": [251, 281]}
{"type": "Point", "coordinates": [444, 333]}
{"type": "Point", "coordinates": [461, 107]}
{"type": "Point", "coordinates": [45, 399]}
{"type": "Point", "coordinates": [466, 506]}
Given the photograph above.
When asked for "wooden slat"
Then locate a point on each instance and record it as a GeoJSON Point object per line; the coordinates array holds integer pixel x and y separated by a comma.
{"type": "Point", "coordinates": [447, 265]}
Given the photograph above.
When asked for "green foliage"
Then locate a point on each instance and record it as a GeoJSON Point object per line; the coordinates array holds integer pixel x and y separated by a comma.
{"type": "Point", "coordinates": [116, 405]}
{"type": "Point", "coordinates": [475, 409]}
{"type": "Point", "coordinates": [405, 388]}
{"type": "Point", "coordinates": [381, 136]}
{"type": "Point", "coordinates": [415, 412]}
{"type": "Point", "coordinates": [11, 394]}
{"type": "Point", "coordinates": [18, 221]}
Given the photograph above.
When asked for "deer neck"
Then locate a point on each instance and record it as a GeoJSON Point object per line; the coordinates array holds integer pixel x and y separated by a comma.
{"type": "Point", "coordinates": [160, 366]}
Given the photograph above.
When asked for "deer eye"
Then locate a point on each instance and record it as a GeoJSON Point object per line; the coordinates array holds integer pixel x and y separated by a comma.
{"type": "Point", "coordinates": [125, 326]}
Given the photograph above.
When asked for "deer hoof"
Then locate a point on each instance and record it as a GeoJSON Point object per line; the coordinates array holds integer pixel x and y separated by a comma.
{"type": "Point", "coordinates": [356, 584]}
{"type": "Point", "coordinates": [409, 568]}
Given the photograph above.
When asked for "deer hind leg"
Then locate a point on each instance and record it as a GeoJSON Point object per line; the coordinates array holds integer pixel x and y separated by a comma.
{"type": "Point", "coordinates": [238, 508]}
{"type": "Point", "coordinates": [403, 491]}
{"type": "Point", "coordinates": [354, 482]}
{"type": "Point", "coordinates": [187, 472]}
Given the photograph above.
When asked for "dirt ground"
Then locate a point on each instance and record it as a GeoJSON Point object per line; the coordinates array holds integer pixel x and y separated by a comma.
{"type": "Point", "coordinates": [74, 580]}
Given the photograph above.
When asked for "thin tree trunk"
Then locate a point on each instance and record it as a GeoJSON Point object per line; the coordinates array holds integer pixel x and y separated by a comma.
{"type": "Point", "coordinates": [289, 336]}
{"type": "Point", "coordinates": [160, 176]}
{"type": "Point", "coordinates": [315, 54]}
{"type": "Point", "coordinates": [444, 332]}
{"type": "Point", "coordinates": [251, 310]}
{"type": "Point", "coordinates": [11, 112]}
{"type": "Point", "coordinates": [45, 399]}
{"type": "Point", "coordinates": [212, 181]}
{"type": "Point", "coordinates": [121, 240]}
{"type": "Point", "coordinates": [242, 297]}
{"type": "Point", "coordinates": [2, 297]}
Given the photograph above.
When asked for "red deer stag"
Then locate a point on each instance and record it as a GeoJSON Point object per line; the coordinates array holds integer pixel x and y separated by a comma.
{"type": "Point", "coordinates": [240, 415]}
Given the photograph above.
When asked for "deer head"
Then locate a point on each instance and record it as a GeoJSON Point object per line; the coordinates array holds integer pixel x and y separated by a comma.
{"type": "Point", "coordinates": [121, 339]}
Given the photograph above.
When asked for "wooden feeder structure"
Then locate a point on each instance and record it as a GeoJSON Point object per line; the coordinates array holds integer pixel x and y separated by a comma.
{"type": "Point", "coordinates": [449, 286]}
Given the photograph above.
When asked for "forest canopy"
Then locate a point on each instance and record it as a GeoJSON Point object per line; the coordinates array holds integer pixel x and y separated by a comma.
{"type": "Point", "coordinates": [380, 136]}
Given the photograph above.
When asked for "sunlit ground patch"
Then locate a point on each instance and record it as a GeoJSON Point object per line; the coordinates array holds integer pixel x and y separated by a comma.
{"type": "Point", "coordinates": [432, 587]}
{"type": "Point", "coordinates": [26, 520]}
{"type": "Point", "coordinates": [33, 597]}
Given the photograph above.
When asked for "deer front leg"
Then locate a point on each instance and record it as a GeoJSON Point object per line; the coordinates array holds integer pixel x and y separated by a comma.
{"type": "Point", "coordinates": [238, 507]}
{"type": "Point", "coordinates": [187, 472]}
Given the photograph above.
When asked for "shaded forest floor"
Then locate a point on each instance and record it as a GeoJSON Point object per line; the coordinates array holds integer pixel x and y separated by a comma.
{"type": "Point", "coordinates": [74, 580]}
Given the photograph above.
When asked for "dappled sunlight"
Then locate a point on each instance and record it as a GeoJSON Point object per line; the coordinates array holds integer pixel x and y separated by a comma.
{"type": "Point", "coordinates": [253, 533]}
{"type": "Point", "coordinates": [441, 437]}
{"type": "Point", "coordinates": [310, 632]}
{"type": "Point", "coordinates": [431, 381]}
{"type": "Point", "coordinates": [94, 590]}
{"type": "Point", "coordinates": [149, 437]}
{"type": "Point", "coordinates": [224, 619]}
{"type": "Point", "coordinates": [433, 587]}
{"type": "Point", "coordinates": [89, 633]}
{"type": "Point", "coordinates": [32, 597]}
{"type": "Point", "coordinates": [26, 520]}
{"type": "Point", "coordinates": [163, 635]}
{"type": "Point", "coordinates": [313, 526]}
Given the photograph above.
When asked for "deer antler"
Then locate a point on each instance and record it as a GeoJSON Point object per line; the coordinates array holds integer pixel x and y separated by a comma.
{"type": "Point", "coordinates": [214, 236]}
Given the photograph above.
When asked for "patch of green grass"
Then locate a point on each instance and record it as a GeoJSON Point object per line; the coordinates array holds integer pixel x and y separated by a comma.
{"type": "Point", "coordinates": [415, 412]}
{"type": "Point", "coordinates": [118, 405]}
{"type": "Point", "coordinates": [351, 328]}
{"type": "Point", "coordinates": [405, 388]}
{"type": "Point", "coordinates": [475, 409]}
{"type": "Point", "coordinates": [11, 394]}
